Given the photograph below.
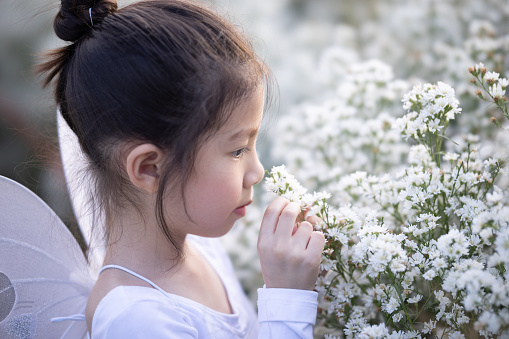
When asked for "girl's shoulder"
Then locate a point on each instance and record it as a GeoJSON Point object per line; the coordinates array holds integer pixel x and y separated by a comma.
{"type": "Point", "coordinates": [137, 311]}
{"type": "Point", "coordinates": [119, 298]}
{"type": "Point", "coordinates": [107, 282]}
{"type": "Point", "coordinates": [121, 302]}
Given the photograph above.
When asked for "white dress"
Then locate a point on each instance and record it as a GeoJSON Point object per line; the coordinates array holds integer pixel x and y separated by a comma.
{"type": "Point", "coordinates": [145, 312]}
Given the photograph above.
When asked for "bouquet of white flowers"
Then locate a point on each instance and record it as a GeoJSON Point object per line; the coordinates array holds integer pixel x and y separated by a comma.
{"type": "Point", "coordinates": [422, 252]}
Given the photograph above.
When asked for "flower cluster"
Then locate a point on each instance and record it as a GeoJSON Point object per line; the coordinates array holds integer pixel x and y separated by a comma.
{"type": "Point", "coordinates": [365, 97]}
{"type": "Point", "coordinates": [493, 85]}
{"type": "Point", "coordinates": [418, 252]}
{"type": "Point", "coordinates": [430, 108]}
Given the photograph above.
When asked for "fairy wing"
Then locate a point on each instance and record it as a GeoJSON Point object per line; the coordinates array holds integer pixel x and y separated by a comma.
{"type": "Point", "coordinates": [79, 185]}
{"type": "Point", "coordinates": [43, 272]}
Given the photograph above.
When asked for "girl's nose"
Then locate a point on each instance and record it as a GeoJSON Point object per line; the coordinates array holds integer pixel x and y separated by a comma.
{"type": "Point", "coordinates": [255, 173]}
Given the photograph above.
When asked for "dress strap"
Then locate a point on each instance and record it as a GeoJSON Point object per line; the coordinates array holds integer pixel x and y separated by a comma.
{"type": "Point", "coordinates": [122, 268]}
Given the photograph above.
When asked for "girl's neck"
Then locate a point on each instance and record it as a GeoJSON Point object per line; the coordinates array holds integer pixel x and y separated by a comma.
{"type": "Point", "coordinates": [140, 246]}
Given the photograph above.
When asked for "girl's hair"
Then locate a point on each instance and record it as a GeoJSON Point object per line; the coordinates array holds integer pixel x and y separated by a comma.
{"type": "Point", "coordinates": [167, 72]}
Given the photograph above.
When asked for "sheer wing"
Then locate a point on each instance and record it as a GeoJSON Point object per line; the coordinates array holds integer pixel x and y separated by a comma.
{"type": "Point", "coordinates": [43, 272]}
{"type": "Point", "coordinates": [79, 185]}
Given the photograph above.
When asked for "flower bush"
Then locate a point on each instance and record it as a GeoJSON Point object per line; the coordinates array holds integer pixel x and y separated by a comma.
{"type": "Point", "coordinates": [340, 131]}
{"type": "Point", "coordinates": [418, 252]}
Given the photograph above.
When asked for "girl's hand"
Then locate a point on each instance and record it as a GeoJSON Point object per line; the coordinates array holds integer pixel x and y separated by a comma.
{"type": "Point", "coordinates": [289, 259]}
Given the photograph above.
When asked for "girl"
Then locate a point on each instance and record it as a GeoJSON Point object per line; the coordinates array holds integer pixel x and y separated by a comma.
{"type": "Point", "coordinates": [166, 99]}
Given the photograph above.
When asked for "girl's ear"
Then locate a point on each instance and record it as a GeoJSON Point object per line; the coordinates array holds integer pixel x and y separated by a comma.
{"type": "Point", "coordinates": [143, 165]}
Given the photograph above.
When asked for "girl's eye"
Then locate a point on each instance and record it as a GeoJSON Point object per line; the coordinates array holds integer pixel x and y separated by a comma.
{"type": "Point", "coordinates": [238, 153]}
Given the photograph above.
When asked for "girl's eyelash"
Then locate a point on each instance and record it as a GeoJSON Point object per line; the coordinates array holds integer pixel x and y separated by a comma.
{"type": "Point", "coordinates": [238, 153]}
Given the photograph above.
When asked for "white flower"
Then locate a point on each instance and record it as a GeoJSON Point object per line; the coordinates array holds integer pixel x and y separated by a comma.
{"type": "Point", "coordinates": [451, 156]}
{"type": "Point", "coordinates": [429, 326]}
{"type": "Point", "coordinates": [337, 234]}
{"type": "Point", "coordinates": [411, 244]}
{"type": "Point", "coordinates": [501, 255]}
{"type": "Point", "coordinates": [486, 234]}
{"type": "Point", "coordinates": [496, 91]}
{"type": "Point", "coordinates": [453, 244]}
{"type": "Point", "coordinates": [355, 325]}
{"type": "Point", "coordinates": [491, 162]}
{"type": "Point", "coordinates": [407, 280]}
{"type": "Point", "coordinates": [419, 155]}
{"type": "Point", "coordinates": [398, 266]}
{"type": "Point", "coordinates": [373, 332]}
{"type": "Point", "coordinates": [491, 76]}
{"type": "Point", "coordinates": [442, 299]}
{"type": "Point", "coordinates": [434, 125]}
{"type": "Point", "coordinates": [416, 259]}
{"type": "Point", "coordinates": [439, 263]}
{"type": "Point", "coordinates": [391, 305]}
{"type": "Point", "coordinates": [283, 183]}
{"type": "Point", "coordinates": [456, 335]}
{"type": "Point", "coordinates": [429, 275]}
{"type": "Point", "coordinates": [397, 317]}
{"type": "Point", "coordinates": [414, 300]}
{"type": "Point", "coordinates": [502, 242]}
{"type": "Point", "coordinates": [489, 320]}
{"type": "Point", "coordinates": [327, 264]}
{"type": "Point", "coordinates": [471, 207]}
{"type": "Point", "coordinates": [321, 196]}
{"type": "Point", "coordinates": [503, 82]}
{"type": "Point", "coordinates": [479, 67]}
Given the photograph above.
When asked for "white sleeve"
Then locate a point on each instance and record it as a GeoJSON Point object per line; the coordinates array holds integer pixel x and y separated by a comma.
{"type": "Point", "coordinates": [145, 319]}
{"type": "Point", "coordinates": [286, 313]}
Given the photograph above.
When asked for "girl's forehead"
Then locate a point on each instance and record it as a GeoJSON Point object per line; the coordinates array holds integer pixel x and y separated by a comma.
{"type": "Point", "coordinates": [242, 133]}
{"type": "Point", "coordinates": [245, 119]}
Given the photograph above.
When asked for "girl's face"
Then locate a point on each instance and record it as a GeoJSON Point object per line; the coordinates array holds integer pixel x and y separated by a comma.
{"type": "Point", "coordinates": [226, 168]}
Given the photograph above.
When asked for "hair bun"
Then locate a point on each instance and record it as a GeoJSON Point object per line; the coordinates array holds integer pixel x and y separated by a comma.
{"type": "Point", "coordinates": [75, 18]}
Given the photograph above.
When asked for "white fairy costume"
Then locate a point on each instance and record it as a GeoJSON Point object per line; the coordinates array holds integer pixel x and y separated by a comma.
{"type": "Point", "coordinates": [45, 281]}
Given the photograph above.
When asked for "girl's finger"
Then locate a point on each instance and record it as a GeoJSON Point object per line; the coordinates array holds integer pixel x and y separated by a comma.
{"type": "Point", "coordinates": [271, 216]}
{"type": "Point", "coordinates": [302, 235]}
{"type": "Point", "coordinates": [287, 220]}
{"type": "Point", "coordinates": [313, 219]}
{"type": "Point", "coordinates": [316, 244]}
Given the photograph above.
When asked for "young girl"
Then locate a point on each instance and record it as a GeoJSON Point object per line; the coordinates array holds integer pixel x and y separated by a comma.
{"type": "Point", "coordinates": [166, 99]}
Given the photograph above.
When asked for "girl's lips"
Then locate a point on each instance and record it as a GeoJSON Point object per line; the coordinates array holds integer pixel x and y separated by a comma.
{"type": "Point", "coordinates": [241, 210]}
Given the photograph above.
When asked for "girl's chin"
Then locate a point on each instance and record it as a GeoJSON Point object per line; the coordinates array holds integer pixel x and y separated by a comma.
{"type": "Point", "coordinates": [217, 231]}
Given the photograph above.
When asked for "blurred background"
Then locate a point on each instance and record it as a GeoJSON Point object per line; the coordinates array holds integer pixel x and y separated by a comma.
{"type": "Point", "coordinates": [28, 139]}
{"type": "Point", "coordinates": [308, 44]}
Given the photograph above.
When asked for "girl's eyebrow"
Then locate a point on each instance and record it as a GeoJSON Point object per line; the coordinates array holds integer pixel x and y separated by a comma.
{"type": "Point", "coordinates": [250, 133]}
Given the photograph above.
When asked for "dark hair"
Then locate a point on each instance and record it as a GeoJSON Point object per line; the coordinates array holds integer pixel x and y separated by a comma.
{"type": "Point", "coordinates": [167, 72]}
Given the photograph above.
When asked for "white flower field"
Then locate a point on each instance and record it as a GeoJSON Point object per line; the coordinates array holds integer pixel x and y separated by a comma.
{"type": "Point", "coordinates": [400, 122]}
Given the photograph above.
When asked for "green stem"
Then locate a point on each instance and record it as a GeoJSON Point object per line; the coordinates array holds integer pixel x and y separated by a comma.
{"type": "Point", "coordinates": [396, 287]}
